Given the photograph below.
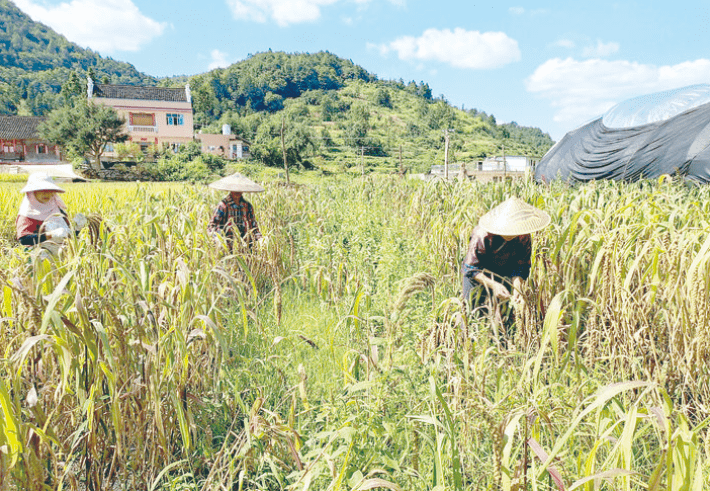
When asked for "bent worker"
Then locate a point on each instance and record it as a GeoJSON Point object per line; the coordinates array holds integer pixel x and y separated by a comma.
{"type": "Point", "coordinates": [499, 252]}
{"type": "Point", "coordinates": [234, 216]}
{"type": "Point", "coordinates": [41, 201]}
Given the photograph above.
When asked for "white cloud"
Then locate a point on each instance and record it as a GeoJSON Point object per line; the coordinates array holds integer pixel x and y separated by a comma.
{"type": "Point", "coordinates": [219, 59]}
{"type": "Point", "coordinates": [284, 12]}
{"type": "Point", "coordinates": [564, 43]}
{"type": "Point", "coordinates": [102, 25]}
{"type": "Point", "coordinates": [459, 48]}
{"type": "Point", "coordinates": [600, 50]}
{"type": "Point", "coordinates": [516, 10]}
{"type": "Point", "coordinates": [583, 90]}
{"type": "Point", "coordinates": [383, 49]}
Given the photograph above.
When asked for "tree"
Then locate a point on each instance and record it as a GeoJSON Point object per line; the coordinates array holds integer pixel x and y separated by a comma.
{"type": "Point", "coordinates": [357, 125]}
{"type": "Point", "coordinates": [85, 128]}
{"type": "Point", "coordinates": [383, 98]}
{"type": "Point", "coordinates": [440, 115]}
{"type": "Point", "coordinates": [268, 148]}
{"type": "Point", "coordinates": [73, 87]}
{"type": "Point", "coordinates": [273, 102]}
{"type": "Point", "coordinates": [329, 107]}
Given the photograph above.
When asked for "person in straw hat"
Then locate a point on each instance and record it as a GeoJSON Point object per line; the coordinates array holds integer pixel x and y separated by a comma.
{"type": "Point", "coordinates": [235, 215]}
{"type": "Point", "coordinates": [40, 204]}
{"type": "Point", "coordinates": [500, 250]}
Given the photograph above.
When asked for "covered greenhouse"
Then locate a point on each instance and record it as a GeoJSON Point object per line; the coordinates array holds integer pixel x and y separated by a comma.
{"type": "Point", "coordinates": [644, 137]}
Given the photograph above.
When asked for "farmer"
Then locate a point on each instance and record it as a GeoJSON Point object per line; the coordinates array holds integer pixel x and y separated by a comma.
{"type": "Point", "coordinates": [234, 215]}
{"type": "Point", "coordinates": [41, 203]}
{"type": "Point", "coordinates": [499, 252]}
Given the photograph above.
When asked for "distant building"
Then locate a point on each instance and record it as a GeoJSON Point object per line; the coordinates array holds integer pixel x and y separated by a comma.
{"type": "Point", "coordinates": [514, 163]}
{"type": "Point", "coordinates": [156, 117]}
{"type": "Point", "coordinates": [490, 169]}
{"type": "Point", "coordinates": [19, 141]}
{"type": "Point", "coordinates": [225, 144]}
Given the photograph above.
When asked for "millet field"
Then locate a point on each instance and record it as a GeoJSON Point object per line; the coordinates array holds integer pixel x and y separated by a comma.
{"type": "Point", "coordinates": [335, 356]}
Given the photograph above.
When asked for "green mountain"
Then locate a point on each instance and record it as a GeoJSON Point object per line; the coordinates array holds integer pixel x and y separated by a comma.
{"type": "Point", "coordinates": [333, 111]}
{"type": "Point", "coordinates": [329, 110]}
{"type": "Point", "coordinates": [35, 62]}
{"type": "Point", "coordinates": [264, 81]}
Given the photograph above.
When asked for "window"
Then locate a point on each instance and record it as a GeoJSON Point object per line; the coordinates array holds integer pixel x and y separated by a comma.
{"type": "Point", "coordinates": [174, 119]}
{"type": "Point", "coordinates": [142, 119]}
{"type": "Point", "coordinates": [41, 148]}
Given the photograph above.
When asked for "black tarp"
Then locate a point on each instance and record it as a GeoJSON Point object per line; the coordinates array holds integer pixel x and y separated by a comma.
{"type": "Point", "coordinates": [679, 145]}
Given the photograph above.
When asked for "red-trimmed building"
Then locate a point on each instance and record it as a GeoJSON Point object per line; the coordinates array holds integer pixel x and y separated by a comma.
{"type": "Point", "coordinates": [19, 141]}
{"type": "Point", "coordinates": [156, 117]}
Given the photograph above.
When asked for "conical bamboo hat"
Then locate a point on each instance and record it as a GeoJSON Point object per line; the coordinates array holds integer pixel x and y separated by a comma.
{"type": "Point", "coordinates": [237, 183]}
{"type": "Point", "coordinates": [40, 181]}
{"type": "Point", "coordinates": [514, 217]}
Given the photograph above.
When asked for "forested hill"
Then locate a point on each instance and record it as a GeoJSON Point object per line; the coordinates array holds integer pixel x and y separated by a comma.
{"type": "Point", "coordinates": [263, 81]}
{"type": "Point", "coordinates": [332, 110]}
{"type": "Point", "coordinates": [35, 62]}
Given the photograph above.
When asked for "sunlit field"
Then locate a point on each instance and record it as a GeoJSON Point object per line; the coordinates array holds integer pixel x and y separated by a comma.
{"type": "Point", "coordinates": [335, 356]}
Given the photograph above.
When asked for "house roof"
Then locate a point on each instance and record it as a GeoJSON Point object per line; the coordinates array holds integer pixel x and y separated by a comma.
{"type": "Point", "coordinates": [143, 93]}
{"type": "Point", "coordinates": [19, 127]}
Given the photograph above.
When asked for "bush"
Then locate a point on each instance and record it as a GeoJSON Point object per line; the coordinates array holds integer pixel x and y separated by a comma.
{"type": "Point", "coordinates": [383, 98]}
{"type": "Point", "coordinates": [130, 151]}
{"type": "Point", "coordinates": [188, 165]}
{"type": "Point", "coordinates": [174, 169]}
{"type": "Point", "coordinates": [267, 154]}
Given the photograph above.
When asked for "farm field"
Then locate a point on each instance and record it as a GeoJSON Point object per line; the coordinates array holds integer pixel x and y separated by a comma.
{"type": "Point", "coordinates": [334, 357]}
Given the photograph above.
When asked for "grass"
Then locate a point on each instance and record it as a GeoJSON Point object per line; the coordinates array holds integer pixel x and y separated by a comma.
{"type": "Point", "coordinates": [13, 177]}
{"type": "Point", "coordinates": [333, 358]}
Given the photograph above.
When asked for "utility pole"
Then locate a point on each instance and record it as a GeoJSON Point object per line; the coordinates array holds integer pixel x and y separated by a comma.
{"type": "Point", "coordinates": [446, 153]}
{"type": "Point", "coordinates": [283, 149]}
{"type": "Point", "coordinates": [362, 160]}
{"type": "Point", "coordinates": [401, 166]}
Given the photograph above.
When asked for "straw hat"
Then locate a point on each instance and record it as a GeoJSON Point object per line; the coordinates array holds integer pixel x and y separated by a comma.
{"type": "Point", "coordinates": [514, 217]}
{"type": "Point", "coordinates": [238, 183]}
{"type": "Point", "coordinates": [40, 182]}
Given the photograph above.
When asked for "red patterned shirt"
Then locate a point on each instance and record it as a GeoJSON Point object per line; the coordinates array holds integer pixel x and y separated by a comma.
{"type": "Point", "coordinates": [231, 214]}
{"type": "Point", "coordinates": [26, 226]}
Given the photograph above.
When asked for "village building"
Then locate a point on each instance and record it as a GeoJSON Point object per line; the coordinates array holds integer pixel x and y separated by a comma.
{"type": "Point", "coordinates": [225, 145]}
{"type": "Point", "coordinates": [490, 169]}
{"type": "Point", "coordinates": [507, 163]}
{"type": "Point", "coordinates": [19, 142]}
{"type": "Point", "coordinates": [156, 117]}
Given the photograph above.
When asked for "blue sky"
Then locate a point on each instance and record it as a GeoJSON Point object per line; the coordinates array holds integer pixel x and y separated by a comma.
{"type": "Point", "coordinates": [554, 65]}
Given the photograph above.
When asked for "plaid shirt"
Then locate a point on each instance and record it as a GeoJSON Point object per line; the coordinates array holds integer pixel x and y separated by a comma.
{"type": "Point", "coordinates": [230, 214]}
